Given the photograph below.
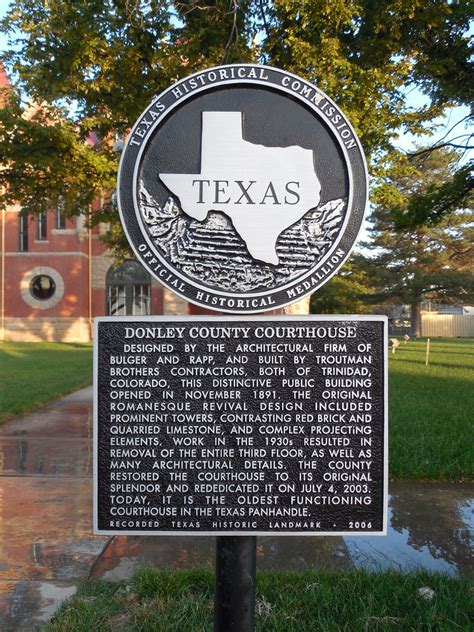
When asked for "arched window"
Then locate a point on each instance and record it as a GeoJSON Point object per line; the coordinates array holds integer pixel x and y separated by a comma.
{"type": "Point", "coordinates": [128, 290]}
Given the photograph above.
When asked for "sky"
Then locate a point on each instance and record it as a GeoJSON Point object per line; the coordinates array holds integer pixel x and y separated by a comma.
{"type": "Point", "coordinates": [3, 9]}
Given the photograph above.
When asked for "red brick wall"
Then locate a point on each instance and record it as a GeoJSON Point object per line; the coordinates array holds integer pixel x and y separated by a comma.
{"type": "Point", "coordinates": [67, 252]}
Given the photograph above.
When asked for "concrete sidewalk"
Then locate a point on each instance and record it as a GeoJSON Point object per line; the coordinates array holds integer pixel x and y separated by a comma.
{"type": "Point", "coordinates": [46, 541]}
{"type": "Point", "coordinates": [47, 546]}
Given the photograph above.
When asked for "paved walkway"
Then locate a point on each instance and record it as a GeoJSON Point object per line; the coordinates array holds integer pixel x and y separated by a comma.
{"type": "Point", "coordinates": [47, 546]}
{"type": "Point", "coordinates": [46, 541]}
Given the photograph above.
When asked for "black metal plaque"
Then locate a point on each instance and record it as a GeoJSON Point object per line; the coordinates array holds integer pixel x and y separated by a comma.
{"type": "Point", "coordinates": [240, 426]}
{"type": "Point", "coordinates": [242, 188]}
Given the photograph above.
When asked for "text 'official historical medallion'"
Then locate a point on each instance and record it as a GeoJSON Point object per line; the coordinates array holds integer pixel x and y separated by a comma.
{"type": "Point", "coordinates": [242, 188]}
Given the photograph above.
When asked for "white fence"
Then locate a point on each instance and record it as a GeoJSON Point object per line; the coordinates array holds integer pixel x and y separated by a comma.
{"type": "Point", "coordinates": [447, 326]}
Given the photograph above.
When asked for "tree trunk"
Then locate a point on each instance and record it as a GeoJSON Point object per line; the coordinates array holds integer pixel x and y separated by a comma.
{"type": "Point", "coordinates": [415, 319]}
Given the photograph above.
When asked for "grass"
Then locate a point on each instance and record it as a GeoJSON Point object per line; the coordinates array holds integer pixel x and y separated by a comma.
{"type": "Point", "coordinates": [32, 374]}
{"type": "Point", "coordinates": [168, 601]}
{"type": "Point", "coordinates": [431, 410]}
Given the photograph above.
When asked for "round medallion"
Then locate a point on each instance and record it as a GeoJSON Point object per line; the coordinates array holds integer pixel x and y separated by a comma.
{"type": "Point", "coordinates": [242, 188]}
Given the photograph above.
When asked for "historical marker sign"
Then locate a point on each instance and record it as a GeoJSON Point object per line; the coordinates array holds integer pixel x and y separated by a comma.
{"type": "Point", "coordinates": [240, 426]}
{"type": "Point", "coordinates": [242, 188]}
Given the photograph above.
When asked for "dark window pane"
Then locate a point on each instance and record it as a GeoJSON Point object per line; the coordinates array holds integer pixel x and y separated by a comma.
{"type": "Point", "coordinates": [60, 219]}
{"type": "Point", "coordinates": [23, 231]}
{"type": "Point", "coordinates": [129, 273]}
{"type": "Point", "coordinates": [117, 300]}
{"type": "Point", "coordinates": [128, 290]}
{"type": "Point", "coordinates": [41, 233]}
{"type": "Point", "coordinates": [43, 287]}
{"type": "Point", "coordinates": [140, 300]}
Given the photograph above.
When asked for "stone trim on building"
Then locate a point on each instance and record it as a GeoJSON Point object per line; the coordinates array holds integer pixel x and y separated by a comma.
{"type": "Point", "coordinates": [25, 284]}
{"type": "Point", "coordinates": [54, 329]}
{"type": "Point", "coordinates": [72, 253]}
{"type": "Point", "coordinates": [100, 267]}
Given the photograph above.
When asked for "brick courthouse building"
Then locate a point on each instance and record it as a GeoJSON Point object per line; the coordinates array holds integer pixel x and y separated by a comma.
{"type": "Point", "coordinates": [56, 276]}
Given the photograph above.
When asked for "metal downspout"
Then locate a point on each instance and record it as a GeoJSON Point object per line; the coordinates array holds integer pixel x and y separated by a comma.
{"type": "Point", "coordinates": [91, 322]}
{"type": "Point", "coordinates": [4, 217]}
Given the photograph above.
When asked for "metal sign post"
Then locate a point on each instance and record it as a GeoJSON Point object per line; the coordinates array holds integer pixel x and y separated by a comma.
{"type": "Point", "coordinates": [234, 592]}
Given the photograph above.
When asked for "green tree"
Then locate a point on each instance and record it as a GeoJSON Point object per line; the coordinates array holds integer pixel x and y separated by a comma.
{"type": "Point", "coordinates": [46, 160]}
{"type": "Point", "coordinates": [428, 261]}
{"type": "Point", "coordinates": [348, 292]}
{"type": "Point", "coordinates": [93, 65]}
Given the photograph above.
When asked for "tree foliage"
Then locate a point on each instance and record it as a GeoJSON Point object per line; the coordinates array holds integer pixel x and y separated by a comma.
{"type": "Point", "coordinates": [428, 261]}
{"type": "Point", "coordinates": [92, 66]}
{"type": "Point", "coordinates": [441, 198]}
{"type": "Point", "coordinates": [46, 163]}
{"type": "Point", "coordinates": [348, 292]}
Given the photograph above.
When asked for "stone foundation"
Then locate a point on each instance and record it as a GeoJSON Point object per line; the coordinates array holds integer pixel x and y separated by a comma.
{"type": "Point", "coordinates": [46, 329]}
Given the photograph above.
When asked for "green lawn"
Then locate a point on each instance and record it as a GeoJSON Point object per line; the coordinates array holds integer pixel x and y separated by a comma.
{"type": "Point", "coordinates": [432, 410]}
{"type": "Point", "coordinates": [32, 374]}
{"type": "Point", "coordinates": [182, 601]}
